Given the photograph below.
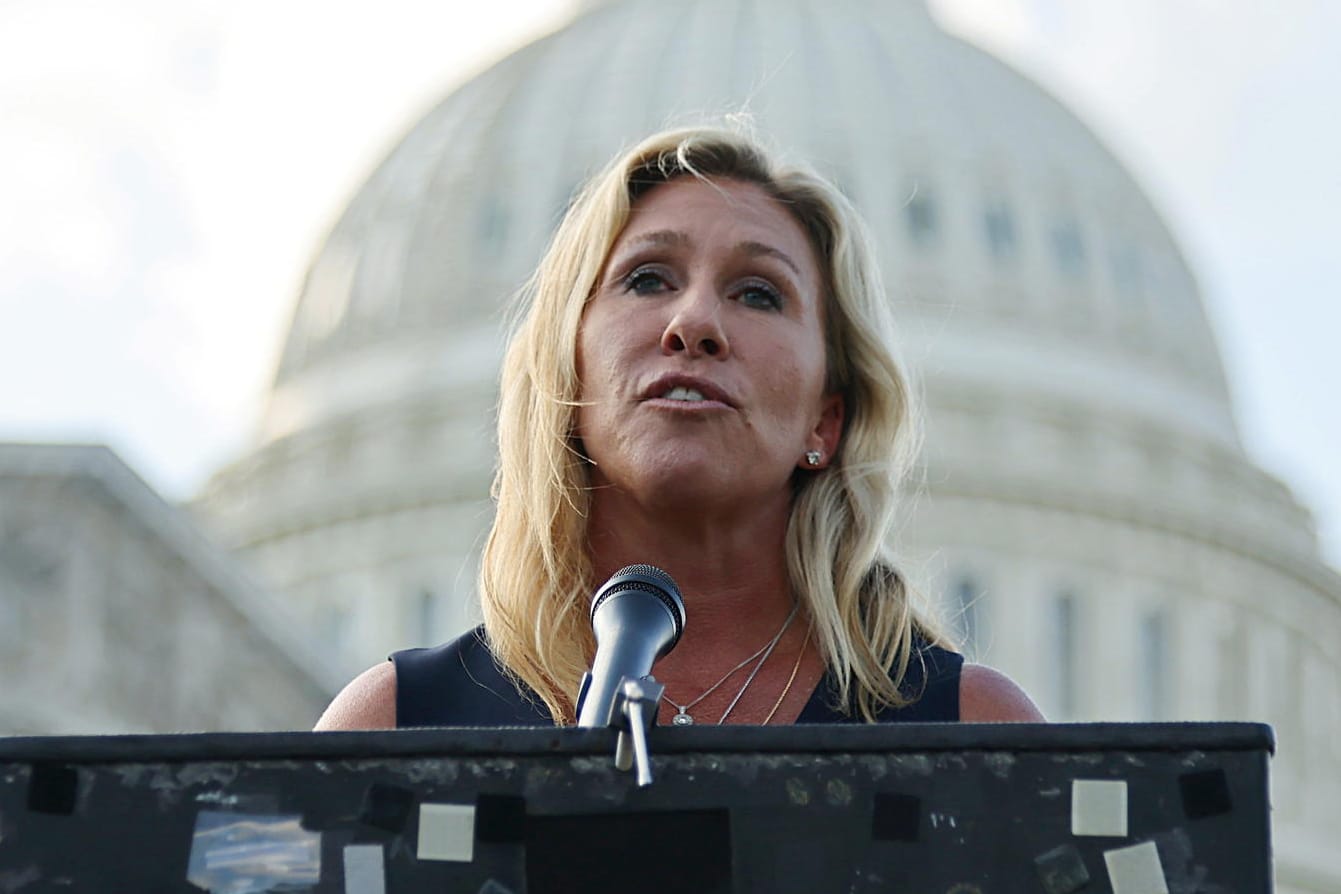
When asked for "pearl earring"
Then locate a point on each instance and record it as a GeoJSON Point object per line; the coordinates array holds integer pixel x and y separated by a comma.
{"type": "Point", "coordinates": [813, 457]}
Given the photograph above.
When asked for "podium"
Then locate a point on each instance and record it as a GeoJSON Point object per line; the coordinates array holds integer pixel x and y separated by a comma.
{"type": "Point", "coordinates": [949, 809]}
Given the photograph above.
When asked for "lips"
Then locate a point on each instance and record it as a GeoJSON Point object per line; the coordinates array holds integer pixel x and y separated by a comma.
{"type": "Point", "coordinates": [686, 389]}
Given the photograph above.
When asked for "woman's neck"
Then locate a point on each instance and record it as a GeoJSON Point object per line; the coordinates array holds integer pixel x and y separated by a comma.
{"type": "Point", "coordinates": [731, 571]}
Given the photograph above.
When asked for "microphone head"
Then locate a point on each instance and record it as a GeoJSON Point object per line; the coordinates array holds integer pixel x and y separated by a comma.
{"type": "Point", "coordinates": [648, 579]}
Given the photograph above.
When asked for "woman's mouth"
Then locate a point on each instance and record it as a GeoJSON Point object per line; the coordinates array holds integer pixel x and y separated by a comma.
{"type": "Point", "coordinates": [679, 392]}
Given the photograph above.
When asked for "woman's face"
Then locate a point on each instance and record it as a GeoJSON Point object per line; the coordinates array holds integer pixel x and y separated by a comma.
{"type": "Point", "coordinates": [701, 353]}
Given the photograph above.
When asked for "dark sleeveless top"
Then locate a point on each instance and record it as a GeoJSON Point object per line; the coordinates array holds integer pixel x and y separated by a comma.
{"type": "Point", "coordinates": [460, 684]}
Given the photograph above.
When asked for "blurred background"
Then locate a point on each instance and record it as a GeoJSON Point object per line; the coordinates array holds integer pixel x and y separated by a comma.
{"type": "Point", "coordinates": [252, 259]}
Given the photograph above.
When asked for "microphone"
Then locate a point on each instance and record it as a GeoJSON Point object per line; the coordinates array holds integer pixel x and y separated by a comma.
{"type": "Point", "coordinates": [638, 616]}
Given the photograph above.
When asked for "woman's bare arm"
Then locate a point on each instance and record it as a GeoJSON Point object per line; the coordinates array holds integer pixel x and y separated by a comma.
{"type": "Point", "coordinates": [368, 702]}
{"type": "Point", "coordinates": [989, 696]}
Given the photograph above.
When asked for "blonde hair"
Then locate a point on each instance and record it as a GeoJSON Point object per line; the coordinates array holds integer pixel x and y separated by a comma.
{"type": "Point", "coordinates": [536, 575]}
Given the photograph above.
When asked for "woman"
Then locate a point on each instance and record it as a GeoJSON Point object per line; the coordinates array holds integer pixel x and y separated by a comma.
{"type": "Point", "coordinates": [702, 380]}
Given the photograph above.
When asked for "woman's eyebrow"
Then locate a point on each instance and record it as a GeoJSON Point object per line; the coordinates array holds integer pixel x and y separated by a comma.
{"type": "Point", "coordinates": [679, 238]}
{"type": "Point", "coordinates": [662, 237]}
{"type": "Point", "coordinates": [759, 248]}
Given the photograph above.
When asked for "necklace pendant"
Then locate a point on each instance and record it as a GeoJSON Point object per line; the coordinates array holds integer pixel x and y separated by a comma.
{"type": "Point", "coordinates": [682, 719]}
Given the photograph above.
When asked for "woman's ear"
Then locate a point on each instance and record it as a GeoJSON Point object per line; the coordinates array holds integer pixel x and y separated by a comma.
{"type": "Point", "coordinates": [827, 433]}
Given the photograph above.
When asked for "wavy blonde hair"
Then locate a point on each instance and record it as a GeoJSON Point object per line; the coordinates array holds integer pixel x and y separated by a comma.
{"type": "Point", "coordinates": [536, 574]}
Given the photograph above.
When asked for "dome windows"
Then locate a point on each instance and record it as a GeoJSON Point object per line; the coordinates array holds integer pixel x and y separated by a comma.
{"type": "Point", "coordinates": [967, 612]}
{"type": "Point", "coordinates": [1065, 656]}
{"type": "Point", "coordinates": [920, 215]}
{"type": "Point", "coordinates": [1152, 666]}
{"type": "Point", "coordinates": [999, 229]}
{"type": "Point", "coordinates": [1068, 246]}
{"type": "Point", "coordinates": [492, 225]}
{"type": "Point", "coordinates": [426, 620]}
{"type": "Point", "coordinates": [1025, 244]}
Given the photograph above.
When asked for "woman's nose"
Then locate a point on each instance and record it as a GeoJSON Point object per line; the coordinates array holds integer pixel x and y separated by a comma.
{"type": "Point", "coordinates": [695, 328]}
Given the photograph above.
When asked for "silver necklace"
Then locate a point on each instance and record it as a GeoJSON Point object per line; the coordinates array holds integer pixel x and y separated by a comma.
{"type": "Point", "coordinates": [762, 661]}
{"type": "Point", "coordinates": [684, 718]}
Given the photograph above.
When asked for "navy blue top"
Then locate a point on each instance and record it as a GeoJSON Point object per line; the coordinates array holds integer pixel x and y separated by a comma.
{"type": "Point", "coordinates": [460, 684]}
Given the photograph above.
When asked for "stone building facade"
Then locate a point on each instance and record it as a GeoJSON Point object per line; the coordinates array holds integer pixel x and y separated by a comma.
{"type": "Point", "coordinates": [118, 616]}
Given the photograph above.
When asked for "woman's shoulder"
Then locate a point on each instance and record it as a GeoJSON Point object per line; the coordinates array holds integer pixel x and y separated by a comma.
{"type": "Point", "coordinates": [391, 692]}
{"type": "Point", "coordinates": [941, 686]}
{"type": "Point", "coordinates": [468, 653]}
{"type": "Point", "coordinates": [929, 684]}
{"type": "Point", "coordinates": [988, 696]}
{"type": "Point", "coordinates": [367, 702]}
{"type": "Point", "coordinates": [460, 683]}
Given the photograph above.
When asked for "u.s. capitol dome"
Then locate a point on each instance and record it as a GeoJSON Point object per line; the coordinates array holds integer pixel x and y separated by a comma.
{"type": "Point", "coordinates": [1085, 510]}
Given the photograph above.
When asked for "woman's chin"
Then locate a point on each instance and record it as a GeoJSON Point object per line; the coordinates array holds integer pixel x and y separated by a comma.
{"type": "Point", "coordinates": [706, 485]}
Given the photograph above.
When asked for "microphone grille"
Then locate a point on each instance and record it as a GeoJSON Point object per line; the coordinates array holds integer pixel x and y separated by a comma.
{"type": "Point", "coordinates": [648, 579]}
{"type": "Point", "coordinates": [651, 571]}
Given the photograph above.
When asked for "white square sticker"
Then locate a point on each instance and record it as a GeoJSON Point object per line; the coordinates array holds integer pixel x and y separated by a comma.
{"type": "Point", "coordinates": [364, 872]}
{"type": "Point", "coordinates": [447, 832]}
{"type": "Point", "coordinates": [1099, 807]}
{"type": "Point", "coordinates": [1136, 870]}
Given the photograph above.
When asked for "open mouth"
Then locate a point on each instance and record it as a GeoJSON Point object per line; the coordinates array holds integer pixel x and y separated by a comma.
{"type": "Point", "coordinates": [686, 390]}
{"type": "Point", "coordinates": [681, 393]}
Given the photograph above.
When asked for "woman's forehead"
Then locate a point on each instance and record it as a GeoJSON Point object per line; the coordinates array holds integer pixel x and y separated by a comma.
{"type": "Point", "coordinates": [688, 210]}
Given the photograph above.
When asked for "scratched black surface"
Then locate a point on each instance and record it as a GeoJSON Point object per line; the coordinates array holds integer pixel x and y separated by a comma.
{"type": "Point", "coordinates": [958, 809]}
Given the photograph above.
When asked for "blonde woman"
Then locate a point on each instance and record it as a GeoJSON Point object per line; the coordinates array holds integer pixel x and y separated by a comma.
{"type": "Point", "coordinates": [702, 380]}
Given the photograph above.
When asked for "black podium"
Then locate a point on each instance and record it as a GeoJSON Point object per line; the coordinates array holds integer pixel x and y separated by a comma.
{"type": "Point", "coordinates": [949, 809]}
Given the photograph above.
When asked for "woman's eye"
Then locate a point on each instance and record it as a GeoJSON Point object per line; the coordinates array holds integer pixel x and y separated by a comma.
{"type": "Point", "coordinates": [760, 296]}
{"type": "Point", "coordinates": [644, 282]}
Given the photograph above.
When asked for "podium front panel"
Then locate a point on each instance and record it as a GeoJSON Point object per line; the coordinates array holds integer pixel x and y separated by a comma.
{"type": "Point", "coordinates": [949, 809]}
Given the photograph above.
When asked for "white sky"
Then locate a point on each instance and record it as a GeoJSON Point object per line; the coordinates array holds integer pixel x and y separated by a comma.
{"type": "Point", "coordinates": [167, 168]}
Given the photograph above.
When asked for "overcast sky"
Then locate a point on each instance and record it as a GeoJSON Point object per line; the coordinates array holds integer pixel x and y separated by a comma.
{"type": "Point", "coordinates": [167, 168]}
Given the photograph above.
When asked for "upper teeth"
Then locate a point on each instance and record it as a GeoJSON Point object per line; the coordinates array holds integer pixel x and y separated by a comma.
{"type": "Point", "coordinates": [681, 393]}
